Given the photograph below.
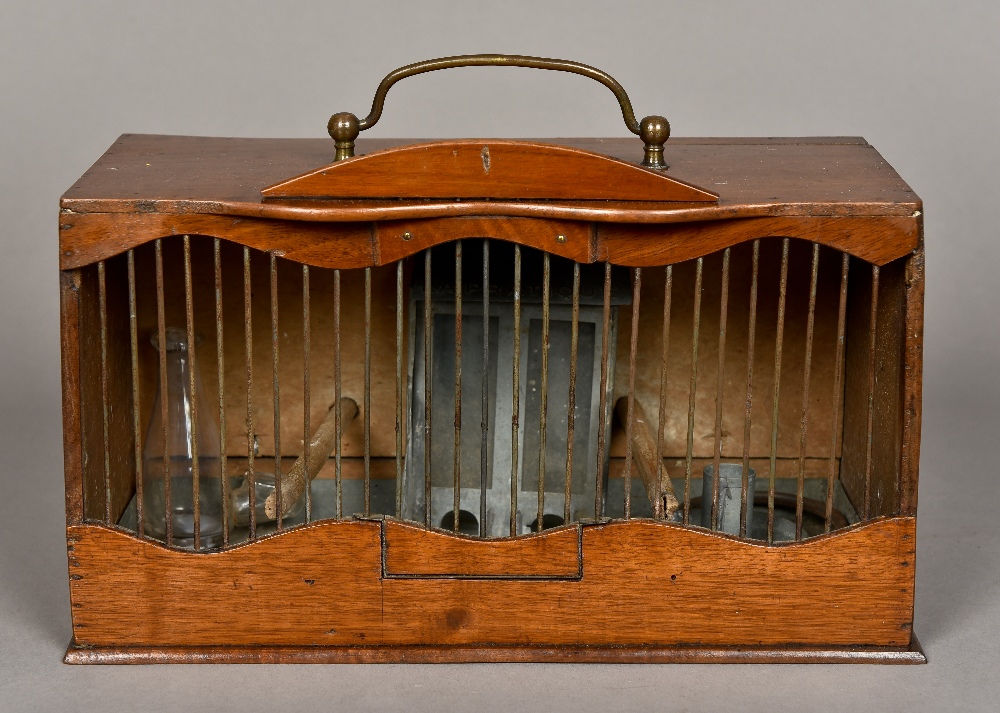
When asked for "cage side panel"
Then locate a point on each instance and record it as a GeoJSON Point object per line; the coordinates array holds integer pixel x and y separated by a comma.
{"type": "Point", "coordinates": [291, 345]}
{"type": "Point", "coordinates": [657, 583]}
{"type": "Point", "coordinates": [109, 458]}
{"type": "Point", "coordinates": [886, 399]}
{"type": "Point", "coordinates": [119, 364]}
{"type": "Point", "coordinates": [318, 585]}
{"type": "Point", "coordinates": [649, 362]}
{"type": "Point", "coordinates": [912, 383]}
{"type": "Point", "coordinates": [69, 309]}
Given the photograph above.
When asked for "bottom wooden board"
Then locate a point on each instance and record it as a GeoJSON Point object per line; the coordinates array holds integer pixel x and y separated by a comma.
{"type": "Point", "coordinates": [912, 654]}
{"type": "Point", "coordinates": [643, 585]}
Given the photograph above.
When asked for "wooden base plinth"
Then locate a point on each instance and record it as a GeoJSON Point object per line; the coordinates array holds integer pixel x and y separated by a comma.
{"type": "Point", "coordinates": [913, 654]}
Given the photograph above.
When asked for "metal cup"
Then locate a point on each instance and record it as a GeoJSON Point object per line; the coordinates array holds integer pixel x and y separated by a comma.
{"type": "Point", "coordinates": [730, 497]}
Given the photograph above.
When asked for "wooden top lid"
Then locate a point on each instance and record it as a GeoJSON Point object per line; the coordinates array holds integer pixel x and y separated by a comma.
{"type": "Point", "coordinates": [753, 177]}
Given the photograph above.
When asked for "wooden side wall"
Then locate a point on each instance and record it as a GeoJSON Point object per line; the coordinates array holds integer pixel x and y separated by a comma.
{"type": "Point", "coordinates": [887, 411]}
{"type": "Point", "coordinates": [121, 443]}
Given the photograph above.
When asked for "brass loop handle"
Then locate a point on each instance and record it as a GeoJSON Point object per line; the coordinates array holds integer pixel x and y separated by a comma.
{"type": "Point", "coordinates": [344, 127]}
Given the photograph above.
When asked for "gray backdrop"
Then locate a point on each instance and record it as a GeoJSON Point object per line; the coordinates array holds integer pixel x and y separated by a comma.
{"type": "Point", "coordinates": [919, 80]}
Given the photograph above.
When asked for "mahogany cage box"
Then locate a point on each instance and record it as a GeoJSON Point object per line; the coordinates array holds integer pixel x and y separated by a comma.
{"type": "Point", "coordinates": [491, 400]}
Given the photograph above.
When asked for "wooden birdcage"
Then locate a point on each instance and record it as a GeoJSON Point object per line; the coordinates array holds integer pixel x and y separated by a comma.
{"type": "Point", "coordinates": [516, 401]}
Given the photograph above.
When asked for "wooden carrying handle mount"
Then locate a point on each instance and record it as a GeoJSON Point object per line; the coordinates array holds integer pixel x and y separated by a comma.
{"type": "Point", "coordinates": [322, 442]}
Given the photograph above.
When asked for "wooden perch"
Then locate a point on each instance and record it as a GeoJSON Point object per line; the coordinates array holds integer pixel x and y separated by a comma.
{"type": "Point", "coordinates": [293, 483]}
{"type": "Point", "coordinates": [644, 456]}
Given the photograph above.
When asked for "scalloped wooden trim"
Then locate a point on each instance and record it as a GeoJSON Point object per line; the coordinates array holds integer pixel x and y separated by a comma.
{"type": "Point", "coordinates": [644, 584]}
{"type": "Point", "coordinates": [490, 169]}
{"type": "Point", "coordinates": [412, 551]}
{"type": "Point", "coordinates": [89, 237]}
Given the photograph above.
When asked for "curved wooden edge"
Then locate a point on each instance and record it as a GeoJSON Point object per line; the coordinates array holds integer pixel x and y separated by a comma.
{"type": "Point", "coordinates": [912, 654]}
{"type": "Point", "coordinates": [89, 238]}
{"type": "Point", "coordinates": [358, 210]}
{"type": "Point", "coordinates": [270, 541]}
{"type": "Point", "coordinates": [404, 533]}
{"type": "Point", "coordinates": [409, 550]}
{"type": "Point", "coordinates": [643, 584]}
{"type": "Point", "coordinates": [491, 169]}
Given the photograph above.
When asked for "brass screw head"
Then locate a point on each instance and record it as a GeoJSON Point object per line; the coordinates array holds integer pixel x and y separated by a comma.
{"type": "Point", "coordinates": [560, 238]}
{"type": "Point", "coordinates": [407, 235]}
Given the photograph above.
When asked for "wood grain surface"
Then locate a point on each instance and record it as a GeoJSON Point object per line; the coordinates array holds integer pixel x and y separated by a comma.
{"type": "Point", "coordinates": [886, 434]}
{"type": "Point", "coordinates": [912, 387]}
{"type": "Point", "coordinates": [490, 169]}
{"type": "Point", "coordinates": [89, 237]}
{"type": "Point", "coordinates": [69, 333]}
{"type": "Point", "coordinates": [318, 585]}
{"type": "Point", "coordinates": [412, 551]}
{"type": "Point", "coordinates": [758, 176]}
{"type": "Point", "coordinates": [643, 583]}
{"type": "Point", "coordinates": [364, 590]}
{"type": "Point", "coordinates": [912, 654]}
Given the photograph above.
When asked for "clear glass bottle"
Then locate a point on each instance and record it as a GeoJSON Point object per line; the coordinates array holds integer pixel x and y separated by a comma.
{"type": "Point", "coordinates": [179, 456]}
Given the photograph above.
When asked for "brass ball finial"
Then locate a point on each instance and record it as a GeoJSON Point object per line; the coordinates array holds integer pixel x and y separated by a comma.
{"type": "Point", "coordinates": [654, 132]}
{"type": "Point", "coordinates": [344, 129]}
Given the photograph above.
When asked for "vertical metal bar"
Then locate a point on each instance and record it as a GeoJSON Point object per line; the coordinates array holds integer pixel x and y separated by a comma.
{"type": "Point", "coordinates": [603, 399]}
{"type": "Point", "coordinates": [516, 392]}
{"type": "Point", "coordinates": [837, 389]}
{"type": "Point", "coordinates": [161, 337]}
{"type": "Point", "coordinates": [368, 392]}
{"type": "Point", "coordinates": [723, 318]}
{"type": "Point", "coordinates": [746, 497]}
{"type": "Point", "coordinates": [306, 388]}
{"type": "Point", "coordinates": [807, 368]}
{"type": "Point", "coordinates": [630, 411]}
{"type": "Point", "coordinates": [221, 371]}
{"type": "Point", "coordinates": [338, 414]}
{"type": "Point", "coordinates": [571, 404]}
{"type": "Point", "coordinates": [668, 288]}
{"type": "Point", "coordinates": [544, 390]}
{"type": "Point", "coordinates": [778, 342]}
{"type": "Point", "coordinates": [192, 385]}
{"type": "Point", "coordinates": [457, 487]}
{"type": "Point", "coordinates": [427, 387]}
{"type": "Point", "coordinates": [103, 306]}
{"type": "Point", "coordinates": [872, 335]}
{"type": "Point", "coordinates": [399, 388]}
{"type": "Point", "coordinates": [692, 387]}
{"type": "Point", "coordinates": [276, 390]}
{"type": "Point", "coordinates": [134, 352]}
{"type": "Point", "coordinates": [484, 447]}
{"type": "Point", "coordinates": [248, 336]}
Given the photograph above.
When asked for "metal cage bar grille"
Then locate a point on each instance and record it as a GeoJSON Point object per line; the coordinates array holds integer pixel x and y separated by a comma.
{"type": "Point", "coordinates": [551, 446]}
